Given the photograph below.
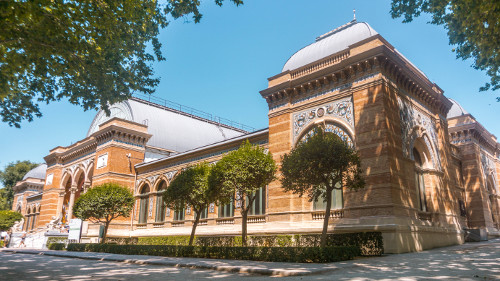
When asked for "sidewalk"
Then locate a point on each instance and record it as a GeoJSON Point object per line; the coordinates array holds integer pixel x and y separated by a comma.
{"type": "Point", "coordinates": [271, 268]}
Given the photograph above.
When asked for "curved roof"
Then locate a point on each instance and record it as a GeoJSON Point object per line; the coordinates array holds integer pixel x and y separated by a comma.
{"type": "Point", "coordinates": [170, 129]}
{"type": "Point", "coordinates": [37, 173]}
{"type": "Point", "coordinates": [456, 110]}
{"type": "Point", "coordinates": [330, 43]}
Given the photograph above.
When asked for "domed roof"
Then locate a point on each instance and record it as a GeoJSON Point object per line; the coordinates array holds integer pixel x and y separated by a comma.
{"type": "Point", "coordinates": [456, 110]}
{"type": "Point", "coordinates": [330, 43]}
{"type": "Point", "coordinates": [37, 173]}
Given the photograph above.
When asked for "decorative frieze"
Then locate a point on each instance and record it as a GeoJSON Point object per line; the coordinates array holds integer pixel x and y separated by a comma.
{"type": "Point", "coordinates": [415, 124]}
{"type": "Point", "coordinates": [340, 109]}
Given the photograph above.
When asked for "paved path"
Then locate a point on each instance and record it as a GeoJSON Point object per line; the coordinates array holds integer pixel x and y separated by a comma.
{"type": "Point", "coordinates": [472, 261]}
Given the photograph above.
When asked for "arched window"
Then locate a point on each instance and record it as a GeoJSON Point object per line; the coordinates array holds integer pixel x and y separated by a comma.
{"type": "Point", "coordinates": [337, 193]}
{"type": "Point", "coordinates": [493, 201]}
{"type": "Point", "coordinates": [160, 204]}
{"type": "Point", "coordinates": [419, 180]}
{"type": "Point", "coordinates": [28, 219]}
{"type": "Point", "coordinates": [144, 204]}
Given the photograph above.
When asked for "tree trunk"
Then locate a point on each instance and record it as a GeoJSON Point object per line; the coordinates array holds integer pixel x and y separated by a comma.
{"type": "Point", "coordinates": [195, 224]}
{"type": "Point", "coordinates": [105, 234]}
{"type": "Point", "coordinates": [244, 218]}
{"type": "Point", "coordinates": [244, 215]}
{"type": "Point", "coordinates": [327, 216]}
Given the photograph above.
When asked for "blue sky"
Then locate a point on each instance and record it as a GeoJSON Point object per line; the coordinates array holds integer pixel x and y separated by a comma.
{"type": "Point", "coordinates": [220, 65]}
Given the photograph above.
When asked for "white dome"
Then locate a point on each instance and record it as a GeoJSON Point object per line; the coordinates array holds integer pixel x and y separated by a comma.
{"type": "Point", "coordinates": [330, 43]}
{"type": "Point", "coordinates": [456, 110]}
{"type": "Point", "coordinates": [37, 173]}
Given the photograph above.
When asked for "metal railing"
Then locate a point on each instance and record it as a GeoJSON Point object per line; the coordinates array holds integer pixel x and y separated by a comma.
{"type": "Point", "coordinates": [193, 112]}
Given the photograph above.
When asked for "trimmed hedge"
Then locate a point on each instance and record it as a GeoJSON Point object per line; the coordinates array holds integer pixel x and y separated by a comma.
{"type": "Point", "coordinates": [369, 243]}
{"type": "Point", "coordinates": [122, 240]}
{"type": "Point", "coordinates": [274, 254]}
{"type": "Point", "coordinates": [56, 246]}
{"type": "Point", "coordinates": [56, 240]}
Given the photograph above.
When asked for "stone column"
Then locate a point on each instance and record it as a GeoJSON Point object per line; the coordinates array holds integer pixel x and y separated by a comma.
{"type": "Point", "coordinates": [86, 187]}
{"type": "Point", "coordinates": [71, 201]}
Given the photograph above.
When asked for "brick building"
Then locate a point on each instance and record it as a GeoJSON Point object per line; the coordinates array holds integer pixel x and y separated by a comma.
{"type": "Point", "coordinates": [431, 169]}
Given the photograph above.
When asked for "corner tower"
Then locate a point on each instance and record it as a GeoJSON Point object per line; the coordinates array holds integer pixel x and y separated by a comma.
{"type": "Point", "coordinates": [355, 84]}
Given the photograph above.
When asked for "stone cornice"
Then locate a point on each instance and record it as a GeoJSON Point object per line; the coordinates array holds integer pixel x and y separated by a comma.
{"type": "Point", "coordinates": [114, 129]}
{"type": "Point", "coordinates": [201, 153]}
{"type": "Point", "coordinates": [116, 132]}
{"type": "Point", "coordinates": [467, 133]}
{"type": "Point", "coordinates": [382, 59]}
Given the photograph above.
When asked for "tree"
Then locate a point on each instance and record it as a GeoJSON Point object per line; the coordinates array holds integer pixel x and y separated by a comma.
{"type": "Point", "coordinates": [11, 174]}
{"type": "Point", "coordinates": [318, 165]}
{"type": "Point", "coordinates": [8, 218]}
{"type": "Point", "coordinates": [473, 27]}
{"type": "Point", "coordinates": [94, 53]}
{"type": "Point", "coordinates": [104, 203]}
{"type": "Point", "coordinates": [191, 187]}
{"type": "Point", "coordinates": [242, 172]}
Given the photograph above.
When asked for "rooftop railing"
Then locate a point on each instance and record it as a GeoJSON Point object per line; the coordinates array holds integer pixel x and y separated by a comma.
{"type": "Point", "coordinates": [194, 112]}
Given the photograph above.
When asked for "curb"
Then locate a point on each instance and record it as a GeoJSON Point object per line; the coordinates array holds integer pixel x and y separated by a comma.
{"type": "Point", "coordinates": [225, 268]}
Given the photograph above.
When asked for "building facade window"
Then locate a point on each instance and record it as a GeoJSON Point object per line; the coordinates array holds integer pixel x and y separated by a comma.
{"type": "Point", "coordinates": [419, 180]}
{"type": "Point", "coordinates": [160, 204]}
{"type": "Point", "coordinates": [204, 213]}
{"type": "Point", "coordinates": [337, 200]}
{"type": "Point", "coordinates": [179, 213]}
{"type": "Point", "coordinates": [226, 211]}
{"type": "Point", "coordinates": [144, 204]}
{"type": "Point", "coordinates": [259, 204]}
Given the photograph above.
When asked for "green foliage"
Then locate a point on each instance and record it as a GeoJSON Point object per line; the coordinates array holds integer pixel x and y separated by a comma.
{"type": "Point", "coordinates": [122, 240]}
{"type": "Point", "coordinates": [369, 243]}
{"type": "Point", "coordinates": [56, 240]}
{"type": "Point", "coordinates": [57, 246]}
{"type": "Point", "coordinates": [473, 27]}
{"type": "Point", "coordinates": [318, 165]}
{"type": "Point", "coordinates": [321, 163]}
{"type": "Point", "coordinates": [243, 172]}
{"type": "Point", "coordinates": [165, 240]}
{"type": "Point", "coordinates": [8, 218]}
{"type": "Point", "coordinates": [11, 174]}
{"type": "Point", "coordinates": [191, 187]}
{"type": "Point", "coordinates": [274, 254]}
{"type": "Point", "coordinates": [94, 53]}
{"type": "Point", "coordinates": [104, 203]}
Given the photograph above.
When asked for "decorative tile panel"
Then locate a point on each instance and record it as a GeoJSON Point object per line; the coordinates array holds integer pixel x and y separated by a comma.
{"type": "Point", "coordinates": [150, 214]}
{"type": "Point", "coordinates": [341, 109]}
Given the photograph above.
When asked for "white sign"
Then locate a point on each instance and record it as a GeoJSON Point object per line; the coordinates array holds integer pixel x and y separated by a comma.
{"type": "Point", "coordinates": [102, 161]}
{"type": "Point", "coordinates": [75, 227]}
{"type": "Point", "coordinates": [50, 177]}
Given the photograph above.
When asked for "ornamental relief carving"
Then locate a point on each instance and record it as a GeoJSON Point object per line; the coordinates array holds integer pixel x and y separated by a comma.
{"type": "Point", "coordinates": [340, 109]}
{"type": "Point", "coordinates": [489, 169]}
{"type": "Point", "coordinates": [415, 124]}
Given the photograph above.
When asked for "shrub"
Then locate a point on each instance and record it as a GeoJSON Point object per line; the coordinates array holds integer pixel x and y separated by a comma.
{"type": "Point", "coordinates": [369, 243]}
{"type": "Point", "coordinates": [56, 246]}
{"type": "Point", "coordinates": [56, 240]}
{"type": "Point", "coordinates": [275, 254]}
{"type": "Point", "coordinates": [164, 240]}
{"type": "Point", "coordinates": [122, 240]}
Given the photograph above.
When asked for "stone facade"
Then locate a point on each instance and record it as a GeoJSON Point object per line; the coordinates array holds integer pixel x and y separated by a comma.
{"type": "Point", "coordinates": [428, 177]}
